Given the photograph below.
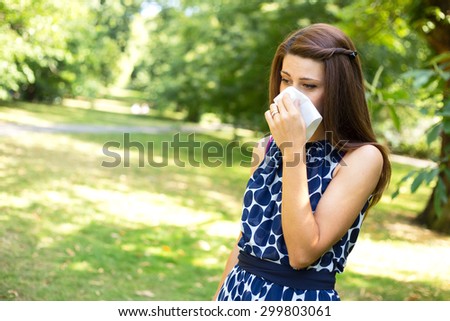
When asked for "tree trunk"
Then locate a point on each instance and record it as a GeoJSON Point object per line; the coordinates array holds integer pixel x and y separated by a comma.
{"type": "Point", "coordinates": [429, 217]}
{"type": "Point", "coordinates": [439, 40]}
{"type": "Point", "coordinates": [29, 94]}
{"type": "Point", "coordinates": [193, 114]}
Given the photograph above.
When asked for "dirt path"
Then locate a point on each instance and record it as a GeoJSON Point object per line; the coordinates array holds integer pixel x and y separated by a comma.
{"type": "Point", "coordinates": [13, 129]}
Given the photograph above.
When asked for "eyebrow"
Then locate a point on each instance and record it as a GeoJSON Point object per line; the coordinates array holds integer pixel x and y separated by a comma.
{"type": "Point", "coordinates": [301, 78]}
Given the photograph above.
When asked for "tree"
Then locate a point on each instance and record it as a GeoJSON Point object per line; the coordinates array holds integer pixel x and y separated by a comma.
{"type": "Point", "coordinates": [33, 39]}
{"type": "Point", "coordinates": [55, 48]}
{"type": "Point", "coordinates": [215, 57]}
{"type": "Point", "coordinates": [433, 17]}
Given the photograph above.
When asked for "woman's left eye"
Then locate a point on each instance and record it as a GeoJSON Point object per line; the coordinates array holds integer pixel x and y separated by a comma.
{"type": "Point", "coordinates": [309, 86]}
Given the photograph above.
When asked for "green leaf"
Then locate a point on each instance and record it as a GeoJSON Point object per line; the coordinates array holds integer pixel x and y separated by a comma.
{"type": "Point", "coordinates": [433, 132]}
{"type": "Point", "coordinates": [437, 205]}
{"type": "Point", "coordinates": [376, 78]}
{"type": "Point", "coordinates": [369, 86]}
{"type": "Point", "coordinates": [446, 108]}
{"type": "Point", "coordinates": [394, 116]}
{"type": "Point", "coordinates": [440, 197]}
{"type": "Point", "coordinates": [420, 76]}
{"type": "Point", "coordinates": [440, 58]}
{"type": "Point", "coordinates": [401, 182]}
{"type": "Point", "coordinates": [444, 112]}
{"type": "Point", "coordinates": [418, 181]}
{"type": "Point", "coordinates": [395, 193]}
{"type": "Point", "coordinates": [432, 175]}
{"type": "Point", "coordinates": [440, 71]}
{"type": "Point", "coordinates": [447, 173]}
{"type": "Point", "coordinates": [447, 127]}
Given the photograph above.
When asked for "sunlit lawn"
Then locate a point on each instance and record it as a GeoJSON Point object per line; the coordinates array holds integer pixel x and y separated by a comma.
{"type": "Point", "coordinates": [72, 229]}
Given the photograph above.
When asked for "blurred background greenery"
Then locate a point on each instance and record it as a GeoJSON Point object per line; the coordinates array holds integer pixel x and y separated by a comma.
{"type": "Point", "coordinates": [72, 229]}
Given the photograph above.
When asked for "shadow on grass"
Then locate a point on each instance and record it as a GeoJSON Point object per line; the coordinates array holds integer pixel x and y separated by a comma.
{"type": "Point", "coordinates": [60, 241]}
{"type": "Point", "coordinates": [63, 239]}
{"type": "Point", "coordinates": [104, 261]}
{"type": "Point", "coordinates": [63, 161]}
{"type": "Point", "coordinates": [184, 178]}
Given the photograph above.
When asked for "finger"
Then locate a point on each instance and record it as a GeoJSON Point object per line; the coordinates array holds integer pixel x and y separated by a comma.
{"type": "Point", "coordinates": [283, 106]}
{"type": "Point", "coordinates": [288, 103]}
{"type": "Point", "coordinates": [269, 120]}
{"type": "Point", "coordinates": [273, 110]}
{"type": "Point", "coordinates": [280, 106]}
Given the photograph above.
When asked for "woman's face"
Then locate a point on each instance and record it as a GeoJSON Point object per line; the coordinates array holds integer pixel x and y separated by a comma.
{"type": "Point", "coordinates": [307, 75]}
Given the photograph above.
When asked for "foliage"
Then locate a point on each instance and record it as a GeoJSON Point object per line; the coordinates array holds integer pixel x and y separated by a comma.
{"type": "Point", "coordinates": [390, 48]}
{"type": "Point", "coordinates": [24, 29]}
{"type": "Point", "coordinates": [195, 55]}
{"type": "Point", "coordinates": [433, 19]}
{"type": "Point", "coordinates": [430, 82]}
{"type": "Point", "coordinates": [215, 57]}
{"type": "Point", "coordinates": [55, 48]}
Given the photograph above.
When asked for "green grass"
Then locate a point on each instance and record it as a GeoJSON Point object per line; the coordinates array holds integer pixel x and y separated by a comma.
{"type": "Point", "coordinates": [72, 229]}
{"type": "Point", "coordinates": [105, 111]}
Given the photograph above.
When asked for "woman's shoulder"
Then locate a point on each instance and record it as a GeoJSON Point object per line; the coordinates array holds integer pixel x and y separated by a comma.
{"type": "Point", "coordinates": [366, 153]}
{"type": "Point", "coordinates": [366, 158]}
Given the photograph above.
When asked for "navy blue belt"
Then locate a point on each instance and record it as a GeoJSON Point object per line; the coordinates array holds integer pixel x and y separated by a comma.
{"type": "Point", "coordinates": [285, 275]}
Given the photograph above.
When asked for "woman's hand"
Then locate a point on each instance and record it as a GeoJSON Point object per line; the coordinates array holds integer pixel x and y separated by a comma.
{"type": "Point", "coordinates": [287, 127]}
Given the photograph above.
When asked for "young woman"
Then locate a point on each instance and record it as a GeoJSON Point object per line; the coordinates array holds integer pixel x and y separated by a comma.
{"type": "Point", "coordinates": [306, 200]}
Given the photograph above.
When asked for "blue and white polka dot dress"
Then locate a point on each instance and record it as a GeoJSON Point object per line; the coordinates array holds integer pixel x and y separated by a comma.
{"type": "Point", "coordinates": [262, 235]}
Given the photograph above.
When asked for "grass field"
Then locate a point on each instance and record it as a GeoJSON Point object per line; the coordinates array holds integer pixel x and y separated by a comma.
{"type": "Point", "coordinates": [72, 229]}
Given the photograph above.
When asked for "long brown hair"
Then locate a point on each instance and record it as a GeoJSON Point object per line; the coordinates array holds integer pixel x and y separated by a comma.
{"type": "Point", "coordinates": [345, 111]}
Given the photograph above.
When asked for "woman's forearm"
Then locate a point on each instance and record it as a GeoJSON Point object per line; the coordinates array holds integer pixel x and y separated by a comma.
{"type": "Point", "coordinates": [300, 228]}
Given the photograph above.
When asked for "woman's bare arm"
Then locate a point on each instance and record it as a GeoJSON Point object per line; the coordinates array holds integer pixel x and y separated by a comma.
{"type": "Point", "coordinates": [309, 235]}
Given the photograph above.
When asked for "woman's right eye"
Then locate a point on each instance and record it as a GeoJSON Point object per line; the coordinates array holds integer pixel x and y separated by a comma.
{"type": "Point", "coordinates": [284, 80]}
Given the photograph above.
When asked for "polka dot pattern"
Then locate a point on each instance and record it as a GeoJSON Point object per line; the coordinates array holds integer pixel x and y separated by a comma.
{"type": "Point", "coordinates": [262, 234]}
{"type": "Point", "coordinates": [254, 288]}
